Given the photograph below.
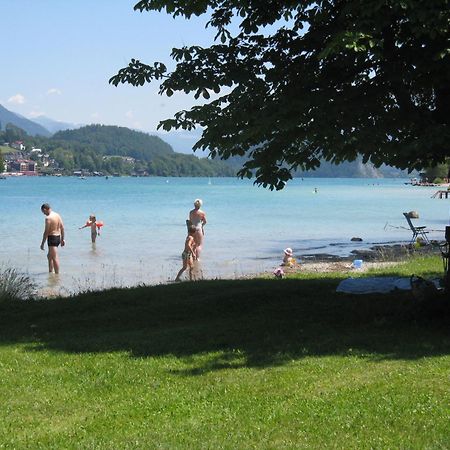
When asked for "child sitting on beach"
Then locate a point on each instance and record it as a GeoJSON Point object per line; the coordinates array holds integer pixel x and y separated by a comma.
{"type": "Point", "coordinates": [188, 255]}
{"type": "Point", "coordinates": [95, 227]}
{"type": "Point", "coordinates": [288, 259]}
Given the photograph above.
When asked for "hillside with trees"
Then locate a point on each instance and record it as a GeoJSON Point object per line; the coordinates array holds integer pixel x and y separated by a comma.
{"type": "Point", "coordinates": [119, 141]}
{"type": "Point", "coordinates": [109, 149]}
{"type": "Point", "coordinates": [439, 173]}
{"type": "Point", "coordinates": [114, 150]}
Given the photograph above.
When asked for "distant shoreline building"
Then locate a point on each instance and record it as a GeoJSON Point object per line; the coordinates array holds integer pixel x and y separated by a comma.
{"type": "Point", "coordinates": [23, 166]}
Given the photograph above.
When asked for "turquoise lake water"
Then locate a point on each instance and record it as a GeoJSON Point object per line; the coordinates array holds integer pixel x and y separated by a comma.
{"type": "Point", "coordinates": [248, 227]}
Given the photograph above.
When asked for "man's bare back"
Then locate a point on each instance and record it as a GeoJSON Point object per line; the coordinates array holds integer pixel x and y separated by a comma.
{"type": "Point", "coordinates": [54, 224]}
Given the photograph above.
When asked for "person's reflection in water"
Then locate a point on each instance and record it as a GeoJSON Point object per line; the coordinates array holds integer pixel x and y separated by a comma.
{"type": "Point", "coordinates": [53, 285]}
{"type": "Point", "coordinates": [197, 270]}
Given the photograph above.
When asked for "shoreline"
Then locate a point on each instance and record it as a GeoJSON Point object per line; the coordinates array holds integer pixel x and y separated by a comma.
{"type": "Point", "coordinates": [378, 256]}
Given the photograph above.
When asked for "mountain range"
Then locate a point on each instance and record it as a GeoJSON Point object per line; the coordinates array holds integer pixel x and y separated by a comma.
{"type": "Point", "coordinates": [55, 125]}
{"type": "Point", "coordinates": [32, 128]}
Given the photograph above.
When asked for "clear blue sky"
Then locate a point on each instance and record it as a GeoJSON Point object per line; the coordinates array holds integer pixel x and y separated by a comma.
{"type": "Point", "coordinates": [57, 57]}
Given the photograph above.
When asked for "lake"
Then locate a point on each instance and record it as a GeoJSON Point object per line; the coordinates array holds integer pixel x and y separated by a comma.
{"type": "Point", "coordinates": [248, 227]}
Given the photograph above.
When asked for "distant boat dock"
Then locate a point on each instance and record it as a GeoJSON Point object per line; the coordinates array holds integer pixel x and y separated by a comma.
{"type": "Point", "coordinates": [441, 194]}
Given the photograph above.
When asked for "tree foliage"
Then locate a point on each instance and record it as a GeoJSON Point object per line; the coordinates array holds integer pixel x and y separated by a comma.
{"type": "Point", "coordinates": [334, 79]}
{"type": "Point", "coordinates": [439, 171]}
{"type": "Point", "coordinates": [13, 133]}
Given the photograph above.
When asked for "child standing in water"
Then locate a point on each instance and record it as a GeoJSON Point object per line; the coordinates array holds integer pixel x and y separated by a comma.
{"type": "Point", "coordinates": [188, 256]}
{"type": "Point", "coordinates": [92, 222]}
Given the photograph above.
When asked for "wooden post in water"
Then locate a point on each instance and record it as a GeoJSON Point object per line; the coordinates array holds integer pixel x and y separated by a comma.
{"type": "Point", "coordinates": [445, 257]}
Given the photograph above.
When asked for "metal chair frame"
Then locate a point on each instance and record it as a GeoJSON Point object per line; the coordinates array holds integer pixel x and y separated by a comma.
{"type": "Point", "coordinates": [417, 231]}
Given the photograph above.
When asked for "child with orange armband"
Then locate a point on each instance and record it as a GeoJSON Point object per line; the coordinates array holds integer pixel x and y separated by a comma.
{"type": "Point", "coordinates": [95, 227]}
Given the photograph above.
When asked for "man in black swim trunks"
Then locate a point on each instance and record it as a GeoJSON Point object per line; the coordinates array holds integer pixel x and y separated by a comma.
{"type": "Point", "coordinates": [54, 235]}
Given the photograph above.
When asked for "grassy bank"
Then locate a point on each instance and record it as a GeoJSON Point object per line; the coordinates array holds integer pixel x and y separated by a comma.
{"type": "Point", "coordinates": [5, 149]}
{"type": "Point", "coordinates": [227, 364]}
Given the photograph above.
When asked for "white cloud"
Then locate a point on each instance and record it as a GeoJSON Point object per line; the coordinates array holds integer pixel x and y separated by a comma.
{"type": "Point", "coordinates": [34, 114]}
{"type": "Point", "coordinates": [17, 99]}
{"type": "Point", "coordinates": [54, 91]}
{"type": "Point", "coordinates": [95, 115]}
{"type": "Point", "coordinates": [129, 114]}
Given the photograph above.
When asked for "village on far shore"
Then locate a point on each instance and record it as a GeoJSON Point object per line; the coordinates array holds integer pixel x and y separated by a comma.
{"type": "Point", "coordinates": [21, 161]}
{"type": "Point", "coordinates": [99, 150]}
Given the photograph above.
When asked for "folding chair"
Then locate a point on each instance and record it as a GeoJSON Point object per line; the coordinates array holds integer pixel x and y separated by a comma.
{"type": "Point", "coordinates": [417, 231]}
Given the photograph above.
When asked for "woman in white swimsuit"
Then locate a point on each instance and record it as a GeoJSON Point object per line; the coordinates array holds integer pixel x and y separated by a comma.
{"type": "Point", "coordinates": [197, 219]}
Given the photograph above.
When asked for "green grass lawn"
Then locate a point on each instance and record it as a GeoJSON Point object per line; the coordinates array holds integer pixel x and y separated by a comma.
{"type": "Point", "coordinates": [5, 149]}
{"type": "Point", "coordinates": [248, 364]}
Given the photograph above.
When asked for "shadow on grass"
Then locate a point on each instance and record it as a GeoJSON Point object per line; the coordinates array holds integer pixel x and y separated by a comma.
{"type": "Point", "coordinates": [247, 323]}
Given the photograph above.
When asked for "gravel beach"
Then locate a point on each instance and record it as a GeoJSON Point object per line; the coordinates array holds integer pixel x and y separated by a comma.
{"type": "Point", "coordinates": [375, 257]}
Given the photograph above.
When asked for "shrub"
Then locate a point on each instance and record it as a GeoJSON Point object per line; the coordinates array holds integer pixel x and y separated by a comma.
{"type": "Point", "coordinates": [15, 286]}
{"type": "Point", "coordinates": [438, 180]}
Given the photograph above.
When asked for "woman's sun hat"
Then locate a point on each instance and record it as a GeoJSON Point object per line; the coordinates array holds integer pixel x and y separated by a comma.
{"type": "Point", "coordinates": [288, 251]}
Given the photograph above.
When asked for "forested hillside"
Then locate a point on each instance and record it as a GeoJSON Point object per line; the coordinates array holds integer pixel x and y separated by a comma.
{"type": "Point", "coordinates": [119, 150]}
{"type": "Point", "coordinates": [120, 141]}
